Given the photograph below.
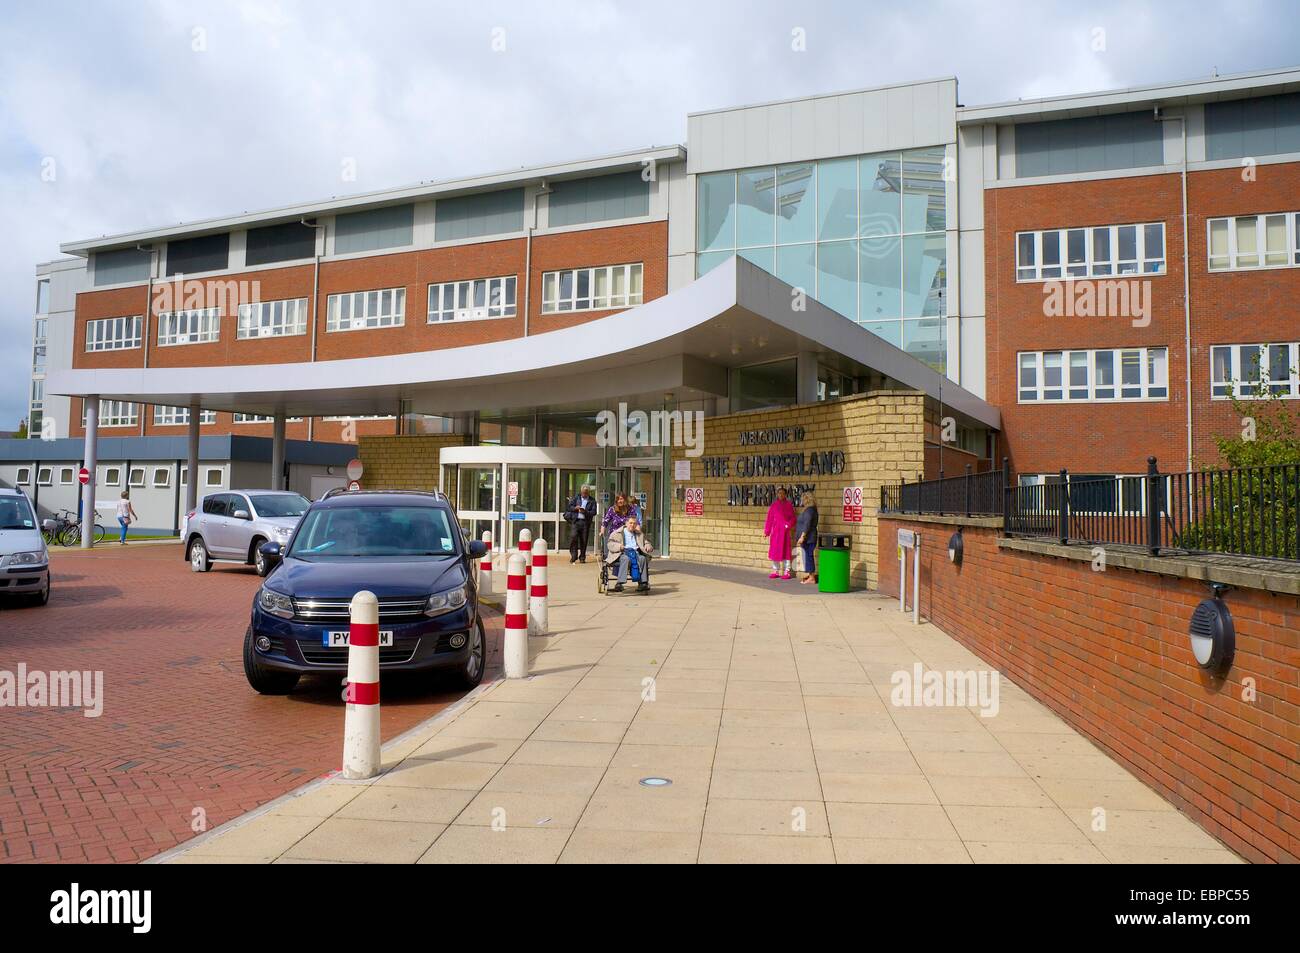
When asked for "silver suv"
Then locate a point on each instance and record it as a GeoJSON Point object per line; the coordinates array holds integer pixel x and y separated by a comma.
{"type": "Point", "coordinates": [232, 526]}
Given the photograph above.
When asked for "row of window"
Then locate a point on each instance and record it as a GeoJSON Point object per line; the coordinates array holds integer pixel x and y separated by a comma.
{"type": "Point", "coordinates": [118, 413]}
{"type": "Point", "coordinates": [580, 289]}
{"type": "Point", "coordinates": [1138, 373]}
{"type": "Point", "coordinates": [1099, 251]}
{"type": "Point", "coordinates": [1255, 241]}
{"type": "Point", "coordinates": [1244, 370]}
{"type": "Point", "coordinates": [1271, 240]}
{"type": "Point", "coordinates": [1253, 370]}
{"type": "Point", "coordinates": [161, 477]}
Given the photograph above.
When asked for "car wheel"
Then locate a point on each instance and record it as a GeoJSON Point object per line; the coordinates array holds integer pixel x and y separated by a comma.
{"type": "Point", "coordinates": [259, 561]}
{"type": "Point", "coordinates": [471, 674]}
{"type": "Point", "coordinates": [43, 597]}
{"type": "Point", "coordinates": [199, 559]}
{"type": "Point", "coordinates": [265, 681]}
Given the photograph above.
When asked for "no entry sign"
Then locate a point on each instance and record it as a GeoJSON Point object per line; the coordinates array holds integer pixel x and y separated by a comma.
{"type": "Point", "coordinates": [853, 504]}
{"type": "Point", "coordinates": [83, 475]}
{"type": "Point", "coordinates": [355, 469]}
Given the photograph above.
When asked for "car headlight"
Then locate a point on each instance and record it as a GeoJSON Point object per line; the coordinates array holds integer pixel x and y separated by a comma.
{"type": "Point", "coordinates": [28, 559]}
{"type": "Point", "coordinates": [282, 534]}
{"type": "Point", "coordinates": [448, 601]}
{"type": "Point", "coordinates": [276, 603]}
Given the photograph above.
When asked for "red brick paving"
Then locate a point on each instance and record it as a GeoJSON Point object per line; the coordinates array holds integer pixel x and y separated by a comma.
{"type": "Point", "coordinates": [180, 729]}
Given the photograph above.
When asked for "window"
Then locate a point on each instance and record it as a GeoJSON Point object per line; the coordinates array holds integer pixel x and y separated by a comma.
{"type": "Point", "coordinates": [1094, 252]}
{"type": "Point", "coordinates": [112, 476]}
{"type": "Point", "coordinates": [135, 477]}
{"type": "Point", "coordinates": [591, 289]}
{"type": "Point", "coordinates": [206, 253]}
{"type": "Point", "coordinates": [598, 199]}
{"type": "Point", "coordinates": [1084, 376]}
{"type": "Point", "coordinates": [472, 216]}
{"type": "Point", "coordinates": [269, 319]}
{"type": "Point", "coordinates": [185, 476]}
{"type": "Point", "coordinates": [472, 300]}
{"type": "Point", "coordinates": [113, 334]}
{"type": "Point", "coordinates": [180, 416]}
{"type": "Point", "coordinates": [763, 385]}
{"type": "Point", "coordinates": [1254, 370]}
{"type": "Point", "coordinates": [23, 477]}
{"type": "Point", "coordinates": [188, 327]}
{"type": "Point", "coordinates": [259, 419]}
{"type": "Point", "coordinates": [162, 476]}
{"type": "Point", "coordinates": [215, 505]}
{"type": "Point", "coordinates": [366, 309]}
{"type": "Point", "coordinates": [864, 235]}
{"type": "Point", "coordinates": [1088, 144]}
{"type": "Point", "coordinates": [42, 295]}
{"type": "Point", "coordinates": [288, 242]}
{"type": "Point", "coordinates": [113, 413]}
{"type": "Point", "coordinates": [1254, 241]}
{"type": "Point", "coordinates": [391, 227]}
{"type": "Point", "coordinates": [66, 475]}
{"type": "Point", "coordinates": [213, 476]}
{"type": "Point", "coordinates": [45, 476]}
{"type": "Point", "coordinates": [124, 266]}
{"type": "Point", "coordinates": [1260, 126]}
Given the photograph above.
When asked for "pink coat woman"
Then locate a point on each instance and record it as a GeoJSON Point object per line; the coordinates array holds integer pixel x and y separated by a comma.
{"type": "Point", "coordinates": [780, 521]}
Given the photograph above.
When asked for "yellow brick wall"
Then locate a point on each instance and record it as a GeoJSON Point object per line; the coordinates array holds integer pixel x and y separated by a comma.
{"type": "Point", "coordinates": [406, 462]}
{"type": "Point", "coordinates": [882, 436]}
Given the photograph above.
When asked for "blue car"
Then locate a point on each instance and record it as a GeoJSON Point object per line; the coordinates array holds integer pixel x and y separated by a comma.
{"type": "Point", "coordinates": [405, 547]}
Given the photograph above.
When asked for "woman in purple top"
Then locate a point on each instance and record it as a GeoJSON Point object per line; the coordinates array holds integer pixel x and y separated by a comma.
{"type": "Point", "coordinates": [615, 516]}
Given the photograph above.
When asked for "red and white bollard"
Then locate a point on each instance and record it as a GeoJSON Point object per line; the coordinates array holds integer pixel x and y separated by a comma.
{"type": "Point", "coordinates": [537, 624]}
{"type": "Point", "coordinates": [361, 722]}
{"type": "Point", "coordinates": [516, 636]}
{"type": "Point", "coordinates": [526, 550]}
{"type": "Point", "coordinates": [485, 566]}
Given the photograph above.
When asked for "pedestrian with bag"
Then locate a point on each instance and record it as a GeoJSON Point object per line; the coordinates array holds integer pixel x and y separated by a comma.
{"type": "Point", "coordinates": [126, 514]}
{"type": "Point", "coordinates": [805, 531]}
{"type": "Point", "coordinates": [580, 513]}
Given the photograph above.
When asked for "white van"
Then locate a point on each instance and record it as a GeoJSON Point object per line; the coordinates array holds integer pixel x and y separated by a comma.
{"type": "Point", "coordinates": [24, 560]}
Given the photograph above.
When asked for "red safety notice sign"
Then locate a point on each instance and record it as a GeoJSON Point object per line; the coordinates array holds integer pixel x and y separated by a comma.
{"type": "Point", "coordinates": [695, 501]}
{"type": "Point", "coordinates": [853, 504]}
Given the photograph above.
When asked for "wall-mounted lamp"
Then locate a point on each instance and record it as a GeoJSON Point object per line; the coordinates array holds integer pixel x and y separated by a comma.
{"type": "Point", "coordinates": [1212, 633]}
{"type": "Point", "coordinates": [955, 548]}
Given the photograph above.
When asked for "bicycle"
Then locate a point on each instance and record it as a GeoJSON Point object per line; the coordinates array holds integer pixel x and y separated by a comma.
{"type": "Point", "coordinates": [68, 532]}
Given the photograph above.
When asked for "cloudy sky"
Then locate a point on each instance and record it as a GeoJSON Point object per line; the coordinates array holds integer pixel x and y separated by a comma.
{"type": "Point", "coordinates": [150, 112]}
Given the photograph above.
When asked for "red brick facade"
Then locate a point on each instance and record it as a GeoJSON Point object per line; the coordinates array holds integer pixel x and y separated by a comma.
{"type": "Point", "coordinates": [1242, 307]}
{"type": "Point", "coordinates": [415, 271]}
{"type": "Point", "coordinates": [1109, 652]}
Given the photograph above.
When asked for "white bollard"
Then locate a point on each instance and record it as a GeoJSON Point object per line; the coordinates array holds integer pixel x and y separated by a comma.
{"type": "Point", "coordinates": [361, 721]}
{"type": "Point", "coordinates": [537, 622]}
{"type": "Point", "coordinates": [485, 566]}
{"type": "Point", "coordinates": [526, 550]}
{"type": "Point", "coordinates": [516, 636]}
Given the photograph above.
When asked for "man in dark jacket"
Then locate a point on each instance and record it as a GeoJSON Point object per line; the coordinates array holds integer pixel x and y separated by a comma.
{"type": "Point", "coordinates": [581, 513]}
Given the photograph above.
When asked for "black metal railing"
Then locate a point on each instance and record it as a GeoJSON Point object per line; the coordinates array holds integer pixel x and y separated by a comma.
{"type": "Point", "coordinates": [1251, 511]}
{"type": "Point", "coordinates": [970, 494]}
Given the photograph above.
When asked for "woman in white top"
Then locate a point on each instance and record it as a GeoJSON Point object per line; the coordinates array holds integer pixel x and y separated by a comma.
{"type": "Point", "coordinates": [125, 514]}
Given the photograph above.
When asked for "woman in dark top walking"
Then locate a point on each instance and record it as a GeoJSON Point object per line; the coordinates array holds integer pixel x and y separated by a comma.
{"type": "Point", "coordinates": [806, 537]}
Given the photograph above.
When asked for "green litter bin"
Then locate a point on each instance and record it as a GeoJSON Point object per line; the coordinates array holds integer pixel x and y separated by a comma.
{"type": "Point", "coordinates": [832, 563]}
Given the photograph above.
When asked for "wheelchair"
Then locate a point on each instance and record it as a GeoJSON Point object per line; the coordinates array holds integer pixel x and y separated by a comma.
{"type": "Point", "coordinates": [608, 576]}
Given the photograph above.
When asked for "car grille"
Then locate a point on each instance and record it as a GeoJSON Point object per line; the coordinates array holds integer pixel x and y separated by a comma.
{"type": "Point", "coordinates": [337, 610]}
{"type": "Point", "coordinates": [391, 655]}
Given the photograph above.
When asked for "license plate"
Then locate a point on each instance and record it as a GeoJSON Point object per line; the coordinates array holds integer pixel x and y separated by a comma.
{"type": "Point", "coordinates": [339, 640]}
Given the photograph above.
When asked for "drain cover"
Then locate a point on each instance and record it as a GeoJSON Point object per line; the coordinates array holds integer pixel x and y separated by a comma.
{"type": "Point", "coordinates": [656, 782]}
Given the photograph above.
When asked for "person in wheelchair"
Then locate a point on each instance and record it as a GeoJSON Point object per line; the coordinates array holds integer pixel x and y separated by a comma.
{"type": "Point", "coordinates": [629, 550]}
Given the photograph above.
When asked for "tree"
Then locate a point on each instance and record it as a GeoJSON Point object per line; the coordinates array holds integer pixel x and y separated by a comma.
{"type": "Point", "coordinates": [22, 429]}
{"type": "Point", "coordinates": [1270, 433]}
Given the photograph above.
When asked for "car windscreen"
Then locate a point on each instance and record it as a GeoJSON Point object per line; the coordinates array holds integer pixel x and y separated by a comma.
{"type": "Point", "coordinates": [272, 505]}
{"type": "Point", "coordinates": [16, 513]}
{"type": "Point", "coordinates": [375, 530]}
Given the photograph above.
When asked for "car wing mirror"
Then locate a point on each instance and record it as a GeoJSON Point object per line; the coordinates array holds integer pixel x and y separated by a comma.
{"type": "Point", "coordinates": [476, 549]}
{"type": "Point", "coordinates": [271, 552]}
{"type": "Point", "coordinates": [241, 515]}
